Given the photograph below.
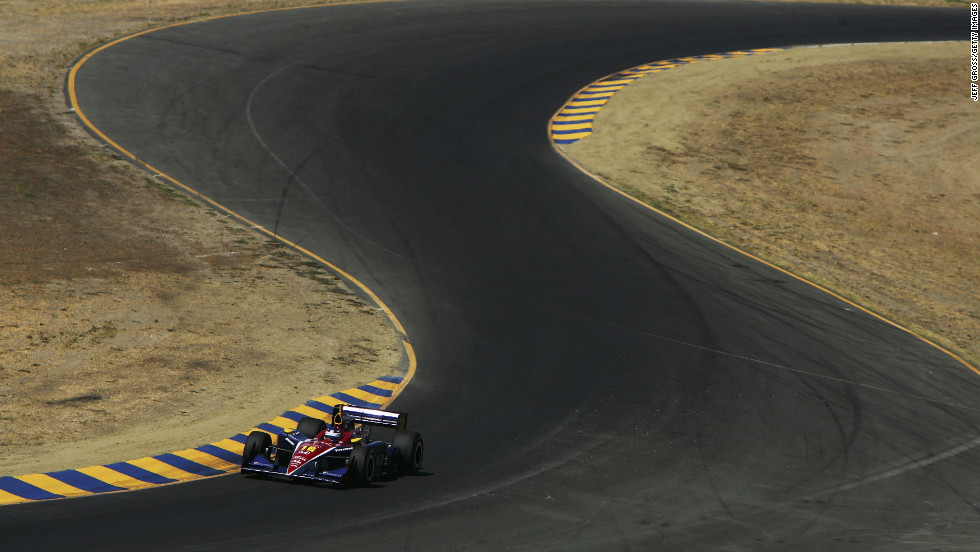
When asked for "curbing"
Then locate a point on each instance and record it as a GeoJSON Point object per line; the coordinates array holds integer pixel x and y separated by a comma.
{"type": "Point", "coordinates": [575, 119]}
{"type": "Point", "coordinates": [218, 458]}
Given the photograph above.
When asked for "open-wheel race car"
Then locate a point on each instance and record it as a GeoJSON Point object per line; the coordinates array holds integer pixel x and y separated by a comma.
{"type": "Point", "coordinates": [341, 452]}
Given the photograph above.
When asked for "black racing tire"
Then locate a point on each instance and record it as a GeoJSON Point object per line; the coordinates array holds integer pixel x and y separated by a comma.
{"type": "Point", "coordinates": [311, 427]}
{"type": "Point", "coordinates": [410, 449]}
{"type": "Point", "coordinates": [363, 466]}
{"type": "Point", "coordinates": [258, 442]}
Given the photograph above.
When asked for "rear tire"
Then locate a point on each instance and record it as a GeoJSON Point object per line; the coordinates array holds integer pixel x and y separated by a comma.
{"type": "Point", "coordinates": [258, 442]}
{"type": "Point", "coordinates": [363, 466]}
{"type": "Point", "coordinates": [410, 449]}
{"type": "Point", "coordinates": [310, 427]}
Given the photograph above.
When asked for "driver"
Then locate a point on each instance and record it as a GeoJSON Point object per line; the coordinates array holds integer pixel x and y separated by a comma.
{"type": "Point", "coordinates": [345, 431]}
{"type": "Point", "coordinates": [332, 433]}
{"type": "Point", "coordinates": [342, 430]}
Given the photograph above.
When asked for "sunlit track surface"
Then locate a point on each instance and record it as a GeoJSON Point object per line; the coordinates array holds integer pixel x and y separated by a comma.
{"type": "Point", "coordinates": [590, 375]}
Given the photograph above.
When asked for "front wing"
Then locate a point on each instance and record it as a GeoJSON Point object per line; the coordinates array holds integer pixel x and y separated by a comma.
{"type": "Point", "coordinates": [263, 466]}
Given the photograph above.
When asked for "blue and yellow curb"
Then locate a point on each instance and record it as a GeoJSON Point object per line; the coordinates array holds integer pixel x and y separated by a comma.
{"type": "Point", "coordinates": [217, 458]}
{"type": "Point", "coordinates": [574, 120]}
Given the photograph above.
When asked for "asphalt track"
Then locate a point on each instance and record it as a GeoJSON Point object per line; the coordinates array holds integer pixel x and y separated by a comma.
{"type": "Point", "coordinates": [591, 375]}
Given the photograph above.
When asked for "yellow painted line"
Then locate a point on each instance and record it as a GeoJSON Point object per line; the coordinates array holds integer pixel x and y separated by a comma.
{"type": "Point", "coordinates": [329, 400]}
{"type": "Point", "coordinates": [572, 126]}
{"type": "Point", "coordinates": [574, 111]}
{"type": "Point", "coordinates": [47, 483]}
{"type": "Point", "coordinates": [163, 469]}
{"type": "Point", "coordinates": [587, 103]}
{"type": "Point", "coordinates": [574, 136]}
{"type": "Point", "coordinates": [283, 423]}
{"type": "Point", "coordinates": [114, 478]}
{"type": "Point", "coordinates": [242, 445]}
{"type": "Point", "coordinates": [381, 384]}
{"type": "Point", "coordinates": [612, 82]}
{"type": "Point", "coordinates": [230, 445]}
{"type": "Point", "coordinates": [365, 395]}
{"type": "Point", "coordinates": [562, 118]}
{"type": "Point", "coordinates": [310, 411]}
{"type": "Point", "coordinates": [604, 88]}
{"type": "Point", "coordinates": [8, 498]}
{"type": "Point", "coordinates": [206, 459]}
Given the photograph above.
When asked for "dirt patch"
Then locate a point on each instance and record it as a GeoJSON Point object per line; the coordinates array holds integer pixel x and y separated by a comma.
{"type": "Point", "coordinates": [853, 166]}
{"type": "Point", "coordinates": [134, 320]}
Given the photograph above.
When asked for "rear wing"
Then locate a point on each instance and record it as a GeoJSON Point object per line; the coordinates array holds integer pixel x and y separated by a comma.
{"type": "Point", "coordinates": [370, 416]}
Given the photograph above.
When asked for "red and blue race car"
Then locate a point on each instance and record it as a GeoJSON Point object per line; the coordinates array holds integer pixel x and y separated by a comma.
{"type": "Point", "coordinates": [341, 452]}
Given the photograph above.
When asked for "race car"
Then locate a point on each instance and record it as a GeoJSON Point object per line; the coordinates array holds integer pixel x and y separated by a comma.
{"type": "Point", "coordinates": [341, 452]}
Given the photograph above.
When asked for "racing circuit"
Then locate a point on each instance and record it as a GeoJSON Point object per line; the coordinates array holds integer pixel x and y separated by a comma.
{"type": "Point", "coordinates": [591, 374]}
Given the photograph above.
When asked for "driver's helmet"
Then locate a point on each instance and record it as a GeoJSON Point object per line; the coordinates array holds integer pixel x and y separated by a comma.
{"type": "Point", "coordinates": [332, 433]}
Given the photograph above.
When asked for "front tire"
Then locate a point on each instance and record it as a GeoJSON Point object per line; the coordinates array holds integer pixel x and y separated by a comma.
{"type": "Point", "coordinates": [363, 466]}
{"type": "Point", "coordinates": [258, 442]}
